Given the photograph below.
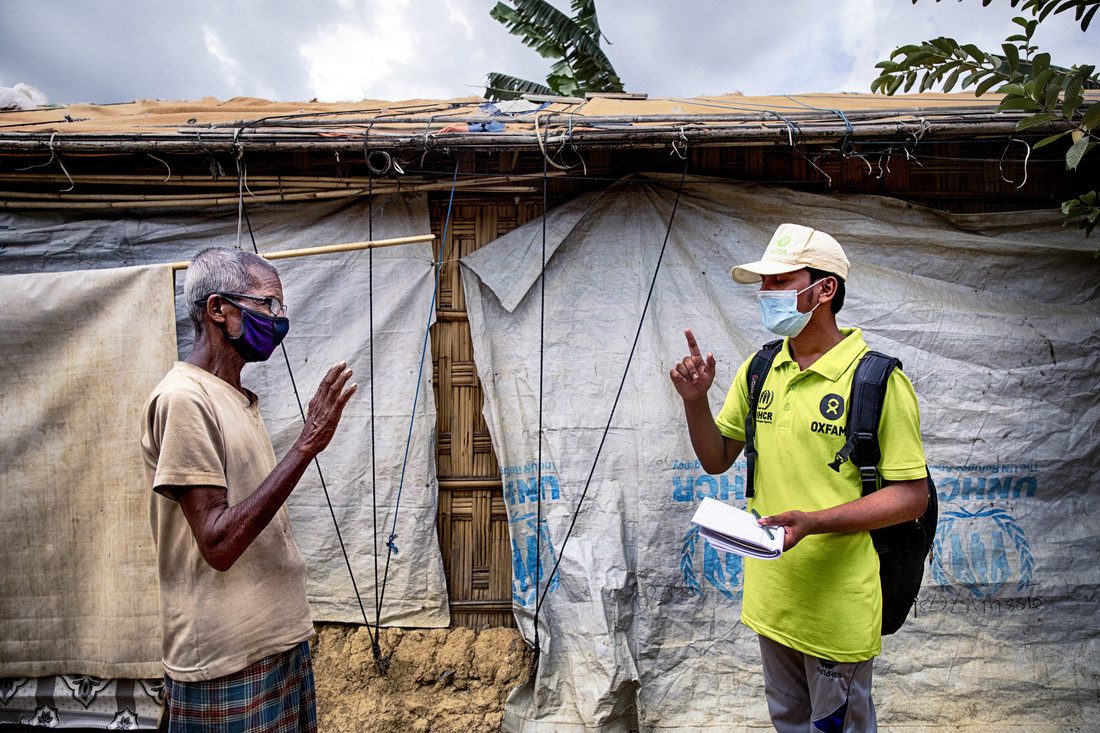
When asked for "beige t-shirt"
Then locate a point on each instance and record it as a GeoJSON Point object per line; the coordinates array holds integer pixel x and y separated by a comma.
{"type": "Point", "coordinates": [200, 431]}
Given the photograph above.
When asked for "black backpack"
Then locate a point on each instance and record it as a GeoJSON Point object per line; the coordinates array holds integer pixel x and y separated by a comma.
{"type": "Point", "coordinates": [902, 548]}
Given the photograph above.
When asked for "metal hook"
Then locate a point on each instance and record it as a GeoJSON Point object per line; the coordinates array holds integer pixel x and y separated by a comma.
{"type": "Point", "coordinates": [424, 142]}
{"type": "Point", "coordinates": [543, 141]}
{"type": "Point", "coordinates": [813, 162]}
{"type": "Point", "coordinates": [1027, 156]}
{"type": "Point", "coordinates": [165, 164]}
{"type": "Point", "coordinates": [884, 156]}
{"type": "Point", "coordinates": [792, 129]}
{"type": "Point", "coordinates": [53, 156]}
{"type": "Point", "coordinates": [679, 146]}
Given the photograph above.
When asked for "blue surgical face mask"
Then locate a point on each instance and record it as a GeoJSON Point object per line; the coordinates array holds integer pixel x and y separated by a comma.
{"type": "Point", "coordinates": [779, 311]}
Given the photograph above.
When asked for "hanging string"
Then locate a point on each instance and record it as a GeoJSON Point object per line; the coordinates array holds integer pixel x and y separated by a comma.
{"type": "Point", "coordinates": [542, 351]}
{"type": "Point", "coordinates": [324, 487]}
{"type": "Point", "coordinates": [391, 542]}
{"type": "Point", "coordinates": [618, 394]}
{"type": "Point", "coordinates": [373, 454]}
{"type": "Point", "coordinates": [240, 193]}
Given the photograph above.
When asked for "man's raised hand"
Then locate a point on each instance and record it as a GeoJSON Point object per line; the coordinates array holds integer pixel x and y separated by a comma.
{"type": "Point", "coordinates": [693, 375]}
{"type": "Point", "coordinates": [325, 409]}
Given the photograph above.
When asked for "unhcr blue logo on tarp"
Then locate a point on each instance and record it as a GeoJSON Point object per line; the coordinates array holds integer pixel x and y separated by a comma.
{"type": "Point", "coordinates": [701, 566]}
{"type": "Point", "coordinates": [982, 550]}
{"type": "Point", "coordinates": [980, 547]}
{"type": "Point", "coordinates": [533, 551]}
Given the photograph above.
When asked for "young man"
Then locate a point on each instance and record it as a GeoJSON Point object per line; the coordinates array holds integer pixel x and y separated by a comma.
{"type": "Point", "coordinates": [817, 609]}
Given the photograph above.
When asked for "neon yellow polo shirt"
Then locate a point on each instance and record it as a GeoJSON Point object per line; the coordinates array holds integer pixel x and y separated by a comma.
{"type": "Point", "coordinates": [822, 598]}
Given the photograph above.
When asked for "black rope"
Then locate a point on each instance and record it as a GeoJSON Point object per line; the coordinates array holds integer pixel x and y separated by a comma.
{"type": "Point", "coordinates": [615, 404]}
{"type": "Point", "coordinates": [373, 454]}
{"type": "Point", "coordinates": [317, 463]}
{"type": "Point", "coordinates": [542, 351]}
{"type": "Point", "coordinates": [391, 546]}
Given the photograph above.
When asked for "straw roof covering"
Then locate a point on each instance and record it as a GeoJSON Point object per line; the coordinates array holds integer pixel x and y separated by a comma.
{"type": "Point", "coordinates": [601, 121]}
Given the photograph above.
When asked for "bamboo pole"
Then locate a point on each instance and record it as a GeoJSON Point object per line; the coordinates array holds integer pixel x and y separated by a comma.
{"type": "Point", "coordinates": [754, 134]}
{"type": "Point", "coordinates": [62, 202]}
{"type": "Point", "coordinates": [743, 114]}
{"type": "Point", "coordinates": [330, 249]}
{"type": "Point", "coordinates": [265, 181]}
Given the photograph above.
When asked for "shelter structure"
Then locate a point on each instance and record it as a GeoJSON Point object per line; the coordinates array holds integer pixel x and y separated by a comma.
{"type": "Point", "coordinates": [475, 173]}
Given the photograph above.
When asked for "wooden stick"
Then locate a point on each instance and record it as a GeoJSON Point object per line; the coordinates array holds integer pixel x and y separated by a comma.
{"type": "Point", "coordinates": [172, 202]}
{"type": "Point", "coordinates": [331, 248]}
{"type": "Point", "coordinates": [265, 181]}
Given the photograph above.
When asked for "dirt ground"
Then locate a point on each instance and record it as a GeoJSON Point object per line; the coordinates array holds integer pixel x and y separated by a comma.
{"type": "Point", "coordinates": [438, 680]}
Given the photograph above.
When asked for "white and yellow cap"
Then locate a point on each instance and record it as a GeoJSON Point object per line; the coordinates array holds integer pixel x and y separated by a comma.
{"type": "Point", "coordinates": [791, 248]}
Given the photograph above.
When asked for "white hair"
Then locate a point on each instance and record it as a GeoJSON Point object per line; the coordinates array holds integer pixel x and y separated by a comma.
{"type": "Point", "coordinates": [220, 270]}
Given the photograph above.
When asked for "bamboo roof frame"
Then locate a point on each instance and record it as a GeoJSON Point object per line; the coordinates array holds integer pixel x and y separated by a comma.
{"type": "Point", "coordinates": [829, 122]}
{"type": "Point", "coordinates": [426, 126]}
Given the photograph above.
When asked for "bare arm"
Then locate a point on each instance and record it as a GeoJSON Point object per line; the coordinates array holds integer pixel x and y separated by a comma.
{"type": "Point", "coordinates": [692, 378]}
{"type": "Point", "coordinates": [892, 504]}
{"type": "Point", "coordinates": [224, 532]}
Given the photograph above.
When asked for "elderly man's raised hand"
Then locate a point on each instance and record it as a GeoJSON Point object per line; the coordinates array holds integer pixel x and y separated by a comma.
{"type": "Point", "coordinates": [693, 375]}
{"type": "Point", "coordinates": [325, 409]}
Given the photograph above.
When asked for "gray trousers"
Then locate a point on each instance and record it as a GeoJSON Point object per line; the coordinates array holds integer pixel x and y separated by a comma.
{"type": "Point", "coordinates": [806, 694]}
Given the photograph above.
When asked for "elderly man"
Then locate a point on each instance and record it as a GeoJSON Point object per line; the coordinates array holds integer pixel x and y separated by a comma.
{"type": "Point", "coordinates": [234, 615]}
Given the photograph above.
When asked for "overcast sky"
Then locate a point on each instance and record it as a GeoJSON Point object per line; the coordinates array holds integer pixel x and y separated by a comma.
{"type": "Point", "coordinates": [332, 50]}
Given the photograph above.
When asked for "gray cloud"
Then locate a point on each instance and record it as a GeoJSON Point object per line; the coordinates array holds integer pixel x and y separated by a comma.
{"type": "Point", "coordinates": [118, 50]}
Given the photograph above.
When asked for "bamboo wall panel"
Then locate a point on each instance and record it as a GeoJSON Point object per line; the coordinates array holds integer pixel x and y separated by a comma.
{"type": "Point", "coordinates": [473, 521]}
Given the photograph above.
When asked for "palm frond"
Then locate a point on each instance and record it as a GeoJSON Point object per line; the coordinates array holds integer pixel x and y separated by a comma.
{"type": "Point", "coordinates": [585, 13]}
{"type": "Point", "coordinates": [574, 43]}
{"type": "Point", "coordinates": [500, 87]}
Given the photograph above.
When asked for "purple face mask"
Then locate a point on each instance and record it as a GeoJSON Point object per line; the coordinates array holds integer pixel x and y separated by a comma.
{"type": "Point", "coordinates": [260, 334]}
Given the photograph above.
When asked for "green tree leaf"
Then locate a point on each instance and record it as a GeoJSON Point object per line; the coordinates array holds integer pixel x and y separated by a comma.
{"type": "Point", "coordinates": [1040, 119]}
{"type": "Point", "coordinates": [1023, 103]}
{"type": "Point", "coordinates": [985, 85]}
{"type": "Point", "coordinates": [1070, 103]}
{"type": "Point", "coordinates": [1040, 63]}
{"type": "Point", "coordinates": [1048, 140]}
{"type": "Point", "coordinates": [1076, 152]}
{"type": "Point", "coordinates": [501, 87]}
{"type": "Point", "coordinates": [1091, 116]}
{"type": "Point", "coordinates": [949, 84]}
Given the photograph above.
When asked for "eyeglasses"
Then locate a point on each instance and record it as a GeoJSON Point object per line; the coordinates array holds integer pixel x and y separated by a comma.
{"type": "Point", "coordinates": [273, 305]}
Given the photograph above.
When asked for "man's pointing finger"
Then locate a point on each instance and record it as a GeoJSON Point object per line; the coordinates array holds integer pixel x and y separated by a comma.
{"type": "Point", "coordinates": [693, 347]}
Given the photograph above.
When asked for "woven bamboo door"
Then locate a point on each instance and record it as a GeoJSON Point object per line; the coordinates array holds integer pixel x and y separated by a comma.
{"type": "Point", "coordinates": [473, 523]}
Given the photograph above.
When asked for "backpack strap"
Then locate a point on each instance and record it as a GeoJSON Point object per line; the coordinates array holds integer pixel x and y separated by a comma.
{"type": "Point", "coordinates": [864, 413]}
{"type": "Point", "coordinates": [758, 371]}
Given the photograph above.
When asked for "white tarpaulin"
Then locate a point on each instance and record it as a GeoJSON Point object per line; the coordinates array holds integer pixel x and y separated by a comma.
{"type": "Point", "coordinates": [328, 298]}
{"type": "Point", "coordinates": [995, 318]}
{"type": "Point", "coordinates": [78, 573]}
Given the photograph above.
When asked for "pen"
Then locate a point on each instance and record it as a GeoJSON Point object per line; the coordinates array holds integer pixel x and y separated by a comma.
{"type": "Point", "coordinates": [771, 536]}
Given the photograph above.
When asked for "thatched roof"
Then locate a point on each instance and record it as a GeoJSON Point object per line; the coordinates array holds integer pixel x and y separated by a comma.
{"type": "Point", "coordinates": [601, 121]}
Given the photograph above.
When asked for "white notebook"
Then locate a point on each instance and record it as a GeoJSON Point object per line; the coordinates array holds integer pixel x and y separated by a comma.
{"type": "Point", "coordinates": [730, 529]}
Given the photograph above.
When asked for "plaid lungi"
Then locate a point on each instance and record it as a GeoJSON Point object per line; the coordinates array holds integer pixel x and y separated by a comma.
{"type": "Point", "coordinates": [274, 695]}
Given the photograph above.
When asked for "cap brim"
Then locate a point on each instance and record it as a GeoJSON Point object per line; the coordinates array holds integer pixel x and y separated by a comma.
{"type": "Point", "coordinates": [753, 272]}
